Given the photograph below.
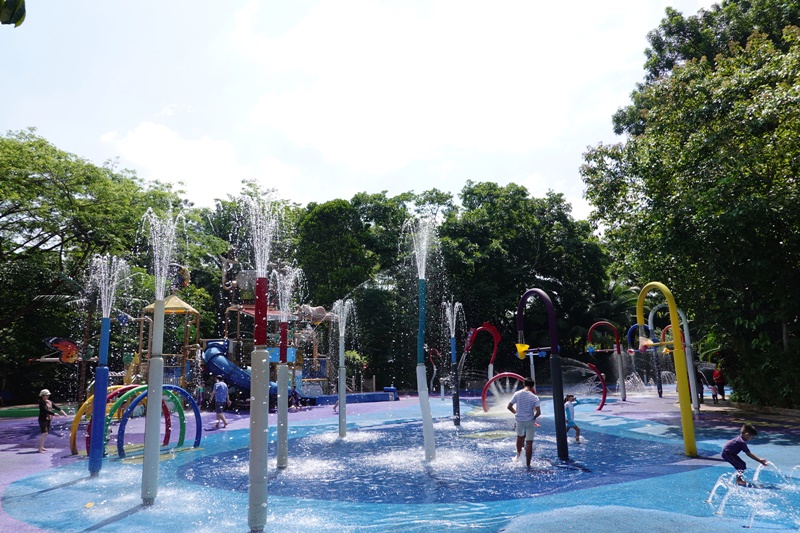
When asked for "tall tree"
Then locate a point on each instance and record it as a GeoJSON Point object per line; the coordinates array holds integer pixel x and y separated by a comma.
{"type": "Point", "coordinates": [709, 34]}
{"type": "Point", "coordinates": [503, 242]}
{"type": "Point", "coordinates": [331, 251]}
{"type": "Point", "coordinates": [61, 209]}
{"type": "Point", "coordinates": [706, 200]}
{"type": "Point", "coordinates": [383, 219]}
{"type": "Point", "coordinates": [57, 211]}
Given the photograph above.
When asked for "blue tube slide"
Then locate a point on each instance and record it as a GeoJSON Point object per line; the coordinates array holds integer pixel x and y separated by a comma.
{"type": "Point", "coordinates": [219, 365]}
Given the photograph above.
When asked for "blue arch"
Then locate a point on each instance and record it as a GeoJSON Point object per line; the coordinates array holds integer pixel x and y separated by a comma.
{"type": "Point", "coordinates": [198, 421]}
{"type": "Point", "coordinates": [633, 328]}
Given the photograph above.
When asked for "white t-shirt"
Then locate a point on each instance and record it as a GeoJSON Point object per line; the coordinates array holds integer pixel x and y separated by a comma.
{"type": "Point", "coordinates": [526, 403]}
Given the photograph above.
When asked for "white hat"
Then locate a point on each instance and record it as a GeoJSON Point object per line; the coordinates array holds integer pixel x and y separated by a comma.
{"type": "Point", "coordinates": [44, 392]}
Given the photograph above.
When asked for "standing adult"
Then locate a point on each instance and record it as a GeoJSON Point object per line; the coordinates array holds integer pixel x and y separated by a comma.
{"type": "Point", "coordinates": [221, 401]}
{"type": "Point", "coordinates": [719, 380]}
{"type": "Point", "coordinates": [47, 410]}
{"type": "Point", "coordinates": [526, 408]}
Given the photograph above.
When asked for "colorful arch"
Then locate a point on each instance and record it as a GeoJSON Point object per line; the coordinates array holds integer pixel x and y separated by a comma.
{"type": "Point", "coordinates": [170, 390]}
{"type": "Point", "coordinates": [489, 385]}
{"type": "Point", "coordinates": [113, 391]}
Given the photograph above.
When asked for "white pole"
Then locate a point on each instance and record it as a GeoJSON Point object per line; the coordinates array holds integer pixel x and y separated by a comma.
{"type": "Point", "coordinates": [283, 415]}
{"type": "Point", "coordinates": [342, 381]}
{"type": "Point", "coordinates": [259, 439]}
{"type": "Point", "coordinates": [152, 422]}
{"type": "Point", "coordinates": [533, 370]}
{"type": "Point", "coordinates": [621, 372]}
{"type": "Point", "coordinates": [427, 417]}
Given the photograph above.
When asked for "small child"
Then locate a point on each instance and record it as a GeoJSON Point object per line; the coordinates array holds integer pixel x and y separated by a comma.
{"type": "Point", "coordinates": [713, 388]}
{"type": "Point", "coordinates": [730, 452]}
{"type": "Point", "coordinates": [569, 409]}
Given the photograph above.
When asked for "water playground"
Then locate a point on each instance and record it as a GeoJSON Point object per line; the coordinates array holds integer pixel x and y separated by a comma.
{"type": "Point", "coordinates": [377, 478]}
{"type": "Point", "coordinates": [420, 463]}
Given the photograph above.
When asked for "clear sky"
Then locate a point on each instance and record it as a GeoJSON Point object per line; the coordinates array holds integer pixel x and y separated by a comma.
{"type": "Point", "coordinates": [322, 99]}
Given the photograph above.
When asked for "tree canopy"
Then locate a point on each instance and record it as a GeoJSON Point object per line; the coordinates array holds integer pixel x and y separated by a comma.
{"type": "Point", "coordinates": [705, 198]}
{"type": "Point", "coordinates": [709, 34]}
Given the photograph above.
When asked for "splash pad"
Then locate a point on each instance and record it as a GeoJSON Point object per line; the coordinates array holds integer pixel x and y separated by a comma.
{"type": "Point", "coordinates": [377, 477]}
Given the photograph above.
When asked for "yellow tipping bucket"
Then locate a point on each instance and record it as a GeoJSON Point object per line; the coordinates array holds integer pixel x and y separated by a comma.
{"type": "Point", "coordinates": [522, 350]}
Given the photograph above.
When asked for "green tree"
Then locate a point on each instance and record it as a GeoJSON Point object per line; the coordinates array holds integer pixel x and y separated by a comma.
{"type": "Point", "coordinates": [503, 242]}
{"type": "Point", "coordinates": [709, 34]}
{"type": "Point", "coordinates": [57, 211]}
{"type": "Point", "coordinates": [705, 199]}
{"type": "Point", "coordinates": [12, 12]}
{"type": "Point", "coordinates": [383, 219]}
{"type": "Point", "coordinates": [331, 251]}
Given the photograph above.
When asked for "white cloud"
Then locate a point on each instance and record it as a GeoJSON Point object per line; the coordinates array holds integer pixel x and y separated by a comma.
{"type": "Point", "coordinates": [382, 84]}
{"type": "Point", "coordinates": [367, 95]}
{"type": "Point", "coordinates": [171, 109]}
{"type": "Point", "coordinates": [209, 168]}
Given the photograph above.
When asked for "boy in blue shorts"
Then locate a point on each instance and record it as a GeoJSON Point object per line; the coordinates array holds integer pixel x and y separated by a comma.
{"type": "Point", "coordinates": [569, 410]}
{"type": "Point", "coordinates": [731, 450]}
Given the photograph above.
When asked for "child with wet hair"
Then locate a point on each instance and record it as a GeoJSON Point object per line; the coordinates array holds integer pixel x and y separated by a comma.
{"type": "Point", "coordinates": [569, 411]}
{"type": "Point", "coordinates": [731, 450]}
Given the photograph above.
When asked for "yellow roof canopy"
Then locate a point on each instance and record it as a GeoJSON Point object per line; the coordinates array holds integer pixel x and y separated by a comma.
{"type": "Point", "coordinates": [173, 306]}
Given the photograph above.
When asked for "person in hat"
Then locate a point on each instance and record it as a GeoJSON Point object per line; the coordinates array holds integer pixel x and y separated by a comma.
{"type": "Point", "coordinates": [47, 410]}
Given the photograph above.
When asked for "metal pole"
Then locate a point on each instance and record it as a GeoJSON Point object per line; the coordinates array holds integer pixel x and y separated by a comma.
{"type": "Point", "coordinates": [283, 401]}
{"type": "Point", "coordinates": [98, 438]}
{"type": "Point", "coordinates": [342, 377]}
{"type": "Point", "coordinates": [555, 366]}
{"type": "Point", "coordinates": [152, 423]}
{"type": "Point", "coordinates": [422, 383]}
{"type": "Point", "coordinates": [259, 414]}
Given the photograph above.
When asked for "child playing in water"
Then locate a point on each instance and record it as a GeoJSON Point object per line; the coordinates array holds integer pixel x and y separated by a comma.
{"type": "Point", "coordinates": [730, 452]}
{"type": "Point", "coordinates": [569, 409]}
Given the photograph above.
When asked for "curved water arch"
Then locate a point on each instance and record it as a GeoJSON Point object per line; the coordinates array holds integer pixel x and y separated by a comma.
{"type": "Point", "coordinates": [460, 368]}
{"type": "Point", "coordinates": [555, 365]}
{"type": "Point", "coordinates": [170, 390]}
{"type": "Point", "coordinates": [126, 396]}
{"type": "Point", "coordinates": [73, 433]}
{"type": "Point", "coordinates": [681, 371]}
{"type": "Point", "coordinates": [687, 346]}
{"type": "Point", "coordinates": [617, 352]}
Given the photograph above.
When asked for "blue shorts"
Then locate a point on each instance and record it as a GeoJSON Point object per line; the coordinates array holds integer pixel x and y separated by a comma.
{"type": "Point", "coordinates": [735, 460]}
{"type": "Point", "coordinates": [571, 424]}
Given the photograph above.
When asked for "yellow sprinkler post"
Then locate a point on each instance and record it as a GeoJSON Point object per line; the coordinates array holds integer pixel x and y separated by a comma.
{"type": "Point", "coordinates": [681, 370]}
{"type": "Point", "coordinates": [522, 351]}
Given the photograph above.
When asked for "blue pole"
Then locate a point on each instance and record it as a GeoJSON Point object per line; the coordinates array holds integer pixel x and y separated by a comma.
{"type": "Point", "coordinates": [98, 438]}
{"type": "Point", "coordinates": [453, 349]}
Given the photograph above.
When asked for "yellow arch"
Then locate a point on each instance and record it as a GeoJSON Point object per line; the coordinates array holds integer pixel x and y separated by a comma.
{"type": "Point", "coordinates": [681, 371]}
{"type": "Point", "coordinates": [73, 432]}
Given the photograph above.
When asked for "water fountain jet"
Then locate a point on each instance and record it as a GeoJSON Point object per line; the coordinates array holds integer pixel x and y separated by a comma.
{"type": "Point", "coordinates": [263, 227]}
{"type": "Point", "coordinates": [342, 309]}
{"type": "Point", "coordinates": [106, 274]}
{"type": "Point", "coordinates": [284, 280]}
{"type": "Point", "coordinates": [161, 237]}
{"type": "Point", "coordinates": [423, 234]}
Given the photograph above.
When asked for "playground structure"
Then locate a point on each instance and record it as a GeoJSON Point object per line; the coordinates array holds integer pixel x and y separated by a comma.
{"type": "Point", "coordinates": [177, 365]}
{"type": "Point", "coordinates": [231, 356]}
{"type": "Point", "coordinates": [496, 386]}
